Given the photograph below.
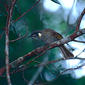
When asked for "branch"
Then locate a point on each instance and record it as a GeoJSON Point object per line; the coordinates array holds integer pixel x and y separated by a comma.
{"type": "Point", "coordinates": [71, 69]}
{"type": "Point", "coordinates": [27, 11]}
{"type": "Point", "coordinates": [42, 49]}
{"type": "Point", "coordinates": [79, 20]}
{"type": "Point", "coordinates": [19, 38]}
{"type": "Point", "coordinates": [58, 60]}
{"type": "Point", "coordinates": [79, 41]}
{"type": "Point", "coordinates": [10, 11]}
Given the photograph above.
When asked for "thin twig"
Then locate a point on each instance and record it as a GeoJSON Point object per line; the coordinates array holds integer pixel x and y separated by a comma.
{"type": "Point", "coordinates": [79, 41]}
{"type": "Point", "coordinates": [10, 11]}
{"type": "Point", "coordinates": [79, 20]}
{"type": "Point", "coordinates": [43, 64]}
{"type": "Point", "coordinates": [80, 53]}
{"type": "Point", "coordinates": [37, 57]}
{"type": "Point", "coordinates": [21, 37]}
{"type": "Point", "coordinates": [26, 66]}
{"type": "Point", "coordinates": [70, 69]}
{"type": "Point", "coordinates": [27, 11]}
{"type": "Point", "coordinates": [24, 77]}
{"type": "Point", "coordinates": [58, 60]}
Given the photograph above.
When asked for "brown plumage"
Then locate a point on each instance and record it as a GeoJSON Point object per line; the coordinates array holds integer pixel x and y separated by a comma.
{"type": "Point", "coordinates": [48, 36]}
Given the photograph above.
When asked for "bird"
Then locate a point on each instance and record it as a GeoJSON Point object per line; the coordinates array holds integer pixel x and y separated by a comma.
{"type": "Point", "coordinates": [49, 36]}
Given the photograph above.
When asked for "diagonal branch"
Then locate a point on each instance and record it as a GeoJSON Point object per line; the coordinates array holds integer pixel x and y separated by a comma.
{"type": "Point", "coordinates": [40, 50]}
{"type": "Point", "coordinates": [19, 38]}
{"type": "Point", "coordinates": [79, 20]}
{"type": "Point", "coordinates": [27, 11]}
{"type": "Point", "coordinates": [70, 69]}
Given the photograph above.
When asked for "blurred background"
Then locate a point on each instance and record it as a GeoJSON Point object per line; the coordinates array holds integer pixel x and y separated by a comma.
{"type": "Point", "coordinates": [59, 15]}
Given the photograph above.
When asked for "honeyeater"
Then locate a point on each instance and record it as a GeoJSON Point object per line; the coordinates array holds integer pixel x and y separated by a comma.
{"type": "Point", "coordinates": [48, 36]}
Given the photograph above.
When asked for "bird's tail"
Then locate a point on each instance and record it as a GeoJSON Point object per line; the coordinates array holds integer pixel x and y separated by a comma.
{"type": "Point", "coordinates": [66, 52]}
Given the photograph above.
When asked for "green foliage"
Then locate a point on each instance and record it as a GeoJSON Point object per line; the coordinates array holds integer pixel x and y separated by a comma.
{"type": "Point", "coordinates": [81, 81]}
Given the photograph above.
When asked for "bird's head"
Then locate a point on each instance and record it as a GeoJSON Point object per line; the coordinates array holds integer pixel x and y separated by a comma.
{"type": "Point", "coordinates": [36, 35]}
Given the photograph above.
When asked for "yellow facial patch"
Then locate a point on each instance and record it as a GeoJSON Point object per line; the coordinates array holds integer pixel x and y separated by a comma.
{"type": "Point", "coordinates": [39, 34]}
